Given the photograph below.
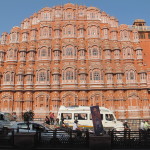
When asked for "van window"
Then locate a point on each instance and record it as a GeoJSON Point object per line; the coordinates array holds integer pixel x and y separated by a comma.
{"type": "Point", "coordinates": [101, 117]}
{"type": "Point", "coordinates": [109, 117]}
{"type": "Point", "coordinates": [80, 116]}
{"type": "Point", "coordinates": [66, 116]}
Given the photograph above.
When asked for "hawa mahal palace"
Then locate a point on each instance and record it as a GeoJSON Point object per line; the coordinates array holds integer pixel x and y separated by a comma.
{"type": "Point", "coordinates": [75, 55]}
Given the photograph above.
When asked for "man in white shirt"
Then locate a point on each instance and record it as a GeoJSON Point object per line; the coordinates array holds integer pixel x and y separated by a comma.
{"type": "Point", "coordinates": [142, 125]}
{"type": "Point", "coordinates": [75, 125]}
{"type": "Point", "coordinates": [146, 125]}
{"type": "Point", "coordinates": [77, 129]}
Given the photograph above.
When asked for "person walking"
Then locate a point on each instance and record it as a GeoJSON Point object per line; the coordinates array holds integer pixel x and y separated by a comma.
{"type": "Point", "coordinates": [47, 121]}
{"type": "Point", "coordinates": [14, 116]}
{"type": "Point", "coordinates": [56, 124]}
{"type": "Point", "coordinates": [52, 118]}
{"type": "Point", "coordinates": [126, 129]}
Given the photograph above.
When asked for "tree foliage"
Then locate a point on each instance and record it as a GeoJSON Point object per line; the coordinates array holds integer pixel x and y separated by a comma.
{"type": "Point", "coordinates": [28, 116]}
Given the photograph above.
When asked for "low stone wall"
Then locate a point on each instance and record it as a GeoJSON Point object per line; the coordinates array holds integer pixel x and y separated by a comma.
{"type": "Point", "coordinates": [24, 140]}
{"type": "Point", "coordinates": [100, 142]}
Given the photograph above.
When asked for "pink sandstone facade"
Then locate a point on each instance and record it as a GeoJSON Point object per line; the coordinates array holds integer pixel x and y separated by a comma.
{"type": "Point", "coordinates": [73, 55]}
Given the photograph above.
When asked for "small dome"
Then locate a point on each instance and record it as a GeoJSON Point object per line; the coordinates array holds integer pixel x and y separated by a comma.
{"type": "Point", "coordinates": [15, 29]}
{"type": "Point", "coordinates": [69, 5]}
{"type": "Point", "coordinates": [139, 20]}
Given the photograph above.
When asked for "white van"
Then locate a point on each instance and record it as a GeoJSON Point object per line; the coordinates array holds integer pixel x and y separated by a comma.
{"type": "Point", "coordinates": [83, 115]}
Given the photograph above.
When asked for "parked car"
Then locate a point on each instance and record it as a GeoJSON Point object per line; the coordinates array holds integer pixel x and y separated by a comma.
{"type": "Point", "coordinates": [6, 120]}
{"type": "Point", "coordinates": [32, 127]}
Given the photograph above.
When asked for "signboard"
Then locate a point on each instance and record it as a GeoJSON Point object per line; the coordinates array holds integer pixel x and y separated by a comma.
{"type": "Point", "coordinates": [96, 118]}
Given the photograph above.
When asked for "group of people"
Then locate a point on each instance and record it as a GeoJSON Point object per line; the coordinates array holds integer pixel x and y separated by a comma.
{"type": "Point", "coordinates": [144, 126]}
{"type": "Point", "coordinates": [50, 119]}
{"type": "Point", "coordinates": [62, 125]}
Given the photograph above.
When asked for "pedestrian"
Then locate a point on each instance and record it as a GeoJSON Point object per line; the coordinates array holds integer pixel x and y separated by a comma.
{"type": "Point", "coordinates": [142, 125]}
{"type": "Point", "coordinates": [62, 124]}
{"type": "Point", "coordinates": [56, 124]}
{"type": "Point", "coordinates": [142, 130]}
{"type": "Point", "coordinates": [14, 116]}
{"type": "Point", "coordinates": [76, 129]}
{"type": "Point", "coordinates": [146, 126]}
{"type": "Point", "coordinates": [126, 129]}
{"type": "Point", "coordinates": [126, 126]}
{"type": "Point", "coordinates": [52, 118]}
{"type": "Point", "coordinates": [47, 121]}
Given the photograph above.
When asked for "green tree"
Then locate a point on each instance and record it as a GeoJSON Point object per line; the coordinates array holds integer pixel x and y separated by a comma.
{"type": "Point", "coordinates": [27, 117]}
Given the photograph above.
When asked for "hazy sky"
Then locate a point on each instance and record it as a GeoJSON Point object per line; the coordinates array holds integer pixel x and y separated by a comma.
{"type": "Point", "coordinates": [13, 12]}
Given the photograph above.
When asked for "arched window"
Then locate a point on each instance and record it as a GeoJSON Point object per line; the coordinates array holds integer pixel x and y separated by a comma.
{"type": "Point", "coordinates": [130, 76]}
{"type": "Point", "coordinates": [10, 54]}
{"type": "Point", "coordinates": [14, 37]}
{"type": "Point", "coordinates": [42, 76]}
{"type": "Point", "coordinates": [128, 53]}
{"type": "Point", "coordinates": [69, 75]}
{"type": "Point", "coordinates": [143, 77]}
{"type": "Point", "coordinates": [119, 78]}
{"type": "Point", "coordinates": [124, 35]}
{"type": "Point", "coordinates": [8, 77]}
{"type": "Point", "coordinates": [26, 25]}
{"type": "Point", "coordinates": [139, 54]}
{"type": "Point", "coordinates": [105, 33]}
{"type": "Point", "coordinates": [96, 75]}
{"type": "Point", "coordinates": [41, 101]}
{"type": "Point", "coordinates": [117, 54]}
{"type": "Point", "coordinates": [135, 36]}
{"type": "Point", "coordinates": [95, 52]}
{"type": "Point", "coordinates": [109, 78]}
{"type": "Point", "coordinates": [43, 52]}
{"type": "Point", "coordinates": [69, 51]}
{"type": "Point", "coordinates": [24, 36]}
{"type": "Point", "coordinates": [45, 32]}
{"type": "Point", "coordinates": [33, 34]}
{"type": "Point", "coordinates": [93, 31]}
{"type": "Point", "coordinates": [45, 16]}
{"type": "Point", "coordinates": [69, 31]}
{"type": "Point", "coordinates": [114, 35]}
{"type": "Point", "coordinates": [108, 54]}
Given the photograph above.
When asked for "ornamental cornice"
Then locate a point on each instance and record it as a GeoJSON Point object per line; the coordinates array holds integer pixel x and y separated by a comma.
{"type": "Point", "coordinates": [138, 48]}
{"type": "Point", "coordinates": [42, 25]}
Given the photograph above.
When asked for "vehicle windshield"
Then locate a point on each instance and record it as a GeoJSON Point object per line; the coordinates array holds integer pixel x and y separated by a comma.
{"type": "Point", "coordinates": [8, 117]}
{"type": "Point", "coordinates": [109, 117]}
